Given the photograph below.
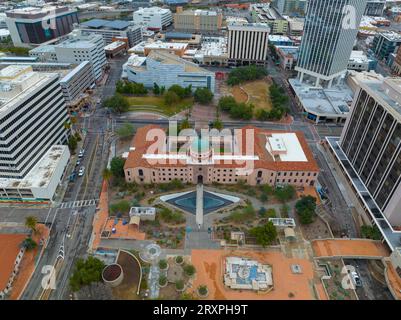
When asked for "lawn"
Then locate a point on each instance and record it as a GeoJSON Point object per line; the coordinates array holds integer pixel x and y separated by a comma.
{"type": "Point", "coordinates": [255, 92]}
{"type": "Point", "coordinates": [156, 104]}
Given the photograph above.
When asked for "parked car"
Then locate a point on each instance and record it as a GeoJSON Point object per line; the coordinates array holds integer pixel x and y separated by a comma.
{"type": "Point", "coordinates": [81, 171]}
{"type": "Point", "coordinates": [356, 279]}
{"type": "Point", "coordinates": [81, 153]}
{"type": "Point", "coordinates": [78, 162]}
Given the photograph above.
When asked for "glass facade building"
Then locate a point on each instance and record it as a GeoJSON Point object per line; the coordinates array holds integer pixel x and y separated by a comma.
{"type": "Point", "coordinates": [331, 27]}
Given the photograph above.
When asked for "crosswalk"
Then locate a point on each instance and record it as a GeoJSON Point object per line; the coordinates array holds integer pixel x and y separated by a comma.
{"type": "Point", "coordinates": [77, 204]}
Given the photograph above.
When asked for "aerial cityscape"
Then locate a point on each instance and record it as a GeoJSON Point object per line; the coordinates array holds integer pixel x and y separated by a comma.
{"type": "Point", "coordinates": [200, 150]}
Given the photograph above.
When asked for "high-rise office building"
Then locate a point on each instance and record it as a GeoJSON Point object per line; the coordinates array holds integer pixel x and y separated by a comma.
{"type": "Point", "coordinates": [153, 18]}
{"type": "Point", "coordinates": [248, 43]}
{"type": "Point", "coordinates": [32, 117]}
{"type": "Point", "coordinates": [198, 20]}
{"type": "Point", "coordinates": [371, 141]}
{"type": "Point", "coordinates": [331, 27]}
{"type": "Point", "coordinates": [291, 7]}
{"type": "Point", "coordinates": [33, 25]}
{"type": "Point", "coordinates": [375, 7]}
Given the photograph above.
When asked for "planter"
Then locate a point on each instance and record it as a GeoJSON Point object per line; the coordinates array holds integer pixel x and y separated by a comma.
{"type": "Point", "coordinates": [203, 296]}
{"type": "Point", "coordinates": [165, 269]}
{"type": "Point", "coordinates": [162, 286]}
{"type": "Point", "coordinates": [179, 263]}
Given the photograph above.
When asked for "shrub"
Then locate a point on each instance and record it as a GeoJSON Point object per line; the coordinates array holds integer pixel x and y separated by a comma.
{"type": "Point", "coordinates": [163, 264]}
{"type": "Point", "coordinates": [265, 234]}
{"type": "Point", "coordinates": [203, 95]}
{"type": "Point", "coordinates": [202, 290]}
{"type": "Point", "coordinates": [305, 208]}
{"type": "Point", "coordinates": [162, 281]}
{"type": "Point", "coordinates": [179, 285]}
{"type": "Point", "coordinates": [179, 259]}
{"type": "Point", "coordinates": [189, 270]}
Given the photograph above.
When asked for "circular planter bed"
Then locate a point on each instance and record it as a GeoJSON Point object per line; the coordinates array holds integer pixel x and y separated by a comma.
{"type": "Point", "coordinates": [163, 265]}
{"type": "Point", "coordinates": [202, 292]}
{"type": "Point", "coordinates": [180, 286]}
{"type": "Point", "coordinates": [179, 260]}
{"type": "Point", "coordinates": [163, 282]}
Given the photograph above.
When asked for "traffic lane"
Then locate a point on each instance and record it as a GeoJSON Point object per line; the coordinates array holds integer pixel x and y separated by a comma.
{"type": "Point", "coordinates": [371, 288]}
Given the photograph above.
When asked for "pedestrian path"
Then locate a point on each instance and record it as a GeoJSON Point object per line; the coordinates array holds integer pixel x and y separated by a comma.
{"type": "Point", "coordinates": [78, 204]}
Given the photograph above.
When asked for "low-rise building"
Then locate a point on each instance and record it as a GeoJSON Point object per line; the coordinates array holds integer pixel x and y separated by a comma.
{"type": "Point", "coordinates": [249, 154]}
{"type": "Point", "coordinates": [202, 21]}
{"type": "Point", "coordinates": [295, 26]}
{"type": "Point", "coordinates": [213, 52]}
{"type": "Point", "coordinates": [385, 43]}
{"type": "Point", "coordinates": [153, 18]}
{"type": "Point", "coordinates": [110, 29]}
{"type": "Point", "coordinates": [115, 48]}
{"type": "Point", "coordinates": [288, 56]}
{"type": "Point", "coordinates": [358, 61]}
{"type": "Point", "coordinates": [321, 105]}
{"type": "Point", "coordinates": [264, 13]}
{"type": "Point", "coordinates": [194, 41]}
{"type": "Point", "coordinates": [166, 69]}
{"type": "Point", "coordinates": [145, 47]}
{"type": "Point", "coordinates": [277, 40]}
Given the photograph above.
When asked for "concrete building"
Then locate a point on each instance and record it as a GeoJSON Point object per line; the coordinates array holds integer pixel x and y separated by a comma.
{"type": "Point", "coordinates": [358, 61]}
{"type": "Point", "coordinates": [386, 43]}
{"type": "Point", "coordinates": [291, 7]}
{"type": "Point", "coordinates": [396, 67]}
{"type": "Point", "coordinates": [78, 48]}
{"type": "Point", "coordinates": [249, 154]}
{"type": "Point", "coordinates": [4, 34]}
{"type": "Point", "coordinates": [202, 21]}
{"type": "Point", "coordinates": [167, 69]}
{"type": "Point", "coordinates": [32, 25]}
{"type": "Point", "coordinates": [326, 45]}
{"type": "Point", "coordinates": [295, 26]}
{"type": "Point", "coordinates": [371, 142]}
{"type": "Point", "coordinates": [375, 8]}
{"type": "Point", "coordinates": [213, 52]}
{"type": "Point", "coordinates": [76, 82]}
{"type": "Point", "coordinates": [323, 105]}
{"type": "Point", "coordinates": [277, 40]}
{"type": "Point", "coordinates": [33, 114]}
{"type": "Point", "coordinates": [248, 43]}
{"type": "Point", "coordinates": [288, 56]}
{"type": "Point", "coordinates": [194, 41]}
{"type": "Point", "coordinates": [116, 48]}
{"type": "Point", "coordinates": [111, 29]}
{"type": "Point", "coordinates": [145, 47]}
{"type": "Point", "coordinates": [264, 13]}
{"type": "Point", "coordinates": [153, 18]}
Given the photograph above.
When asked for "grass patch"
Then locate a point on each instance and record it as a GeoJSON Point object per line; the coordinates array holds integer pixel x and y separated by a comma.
{"type": "Point", "coordinates": [156, 104]}
{"type": "Point", "coordinates": [258, 92]}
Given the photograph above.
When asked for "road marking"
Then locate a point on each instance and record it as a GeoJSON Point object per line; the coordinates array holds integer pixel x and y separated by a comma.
{"type": "Point", "coordinates": [78, 204]}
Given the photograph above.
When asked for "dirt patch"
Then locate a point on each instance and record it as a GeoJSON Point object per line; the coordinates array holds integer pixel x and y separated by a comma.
{"type": "Point", "coordinates": [129, 286]}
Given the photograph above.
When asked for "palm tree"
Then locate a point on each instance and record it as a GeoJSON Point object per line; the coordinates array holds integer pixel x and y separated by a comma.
{"type": "Point", "coordinates": [107, 174]}
{"type": "Point", "coordinates": [30, 222]}
{"type": "Point", "coordinates": [29, 244]}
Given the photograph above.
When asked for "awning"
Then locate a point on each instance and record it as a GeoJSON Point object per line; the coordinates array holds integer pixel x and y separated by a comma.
{"type": "Point", "coordinates": [134, 220]}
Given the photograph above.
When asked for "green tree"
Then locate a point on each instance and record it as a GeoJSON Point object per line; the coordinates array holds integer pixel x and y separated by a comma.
{"type": "Point", "coordinates": [265, 234]}
{"type": "Point", "coordinates": [242, 111]}
{"type": "Point", "coordinates": [72, 143]}
{"type": "Point", "coordinates": [285, 193]}
{"type": "Point", "coordinates": [31, 223]}
{"type": "Point", "coordinates": [117, 167]}
{"type": "Point", "coordinates": [189, 270]}
{"type": "Point", "coordinates": [217, 124]}
{"type": "Point", "coordinates": [117, 103]}
{"type": "Point", "coordinates": [305, 208]}
{"type": "Point", "coordinates": [29, 244]}
{"type": "Point", "coordinates": [178, 90]}
{"type": "Point", "coordinates": [122, 206]}
{"type": "Point", "coordinates": [246, 73]}
{"type": "Point", "coordinates": [203, 95]}
{"type": "Point", "coordinates": [86, 272]}
{"type": "Point", "coordinates": [107, 174]}
{"type": "Point", "coordinates": [125, 131]}
{"type": "Point", "coordinates": [156, 89]}
{"type": "Point", "coordinates": [371, 232]}
{"type": "Point", "coordinates": [226, 103]}
{"type": "Point", "coordinates": [170, 98]}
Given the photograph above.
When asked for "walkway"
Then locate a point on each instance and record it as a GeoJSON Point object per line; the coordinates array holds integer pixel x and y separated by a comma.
{"type": "Point", "coordinates": [349, 248]}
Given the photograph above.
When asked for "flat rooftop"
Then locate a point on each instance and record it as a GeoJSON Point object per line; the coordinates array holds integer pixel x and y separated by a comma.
{"type": "Point", "coordinates": [324, 102]}
{"type": "Point", "coordinates": [107, 24]}
{"type": "Point", "coordinates": [41, 174]}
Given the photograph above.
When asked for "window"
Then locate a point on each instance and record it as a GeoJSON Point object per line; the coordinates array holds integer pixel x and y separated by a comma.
{"type": "Point", "coordinates": [259, 174]}
{"type": "Point", "coordinates": [140, 172]}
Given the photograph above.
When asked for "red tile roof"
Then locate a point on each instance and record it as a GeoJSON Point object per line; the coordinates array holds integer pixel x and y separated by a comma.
{"type": "Point", "coordinates": [265, 161]}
